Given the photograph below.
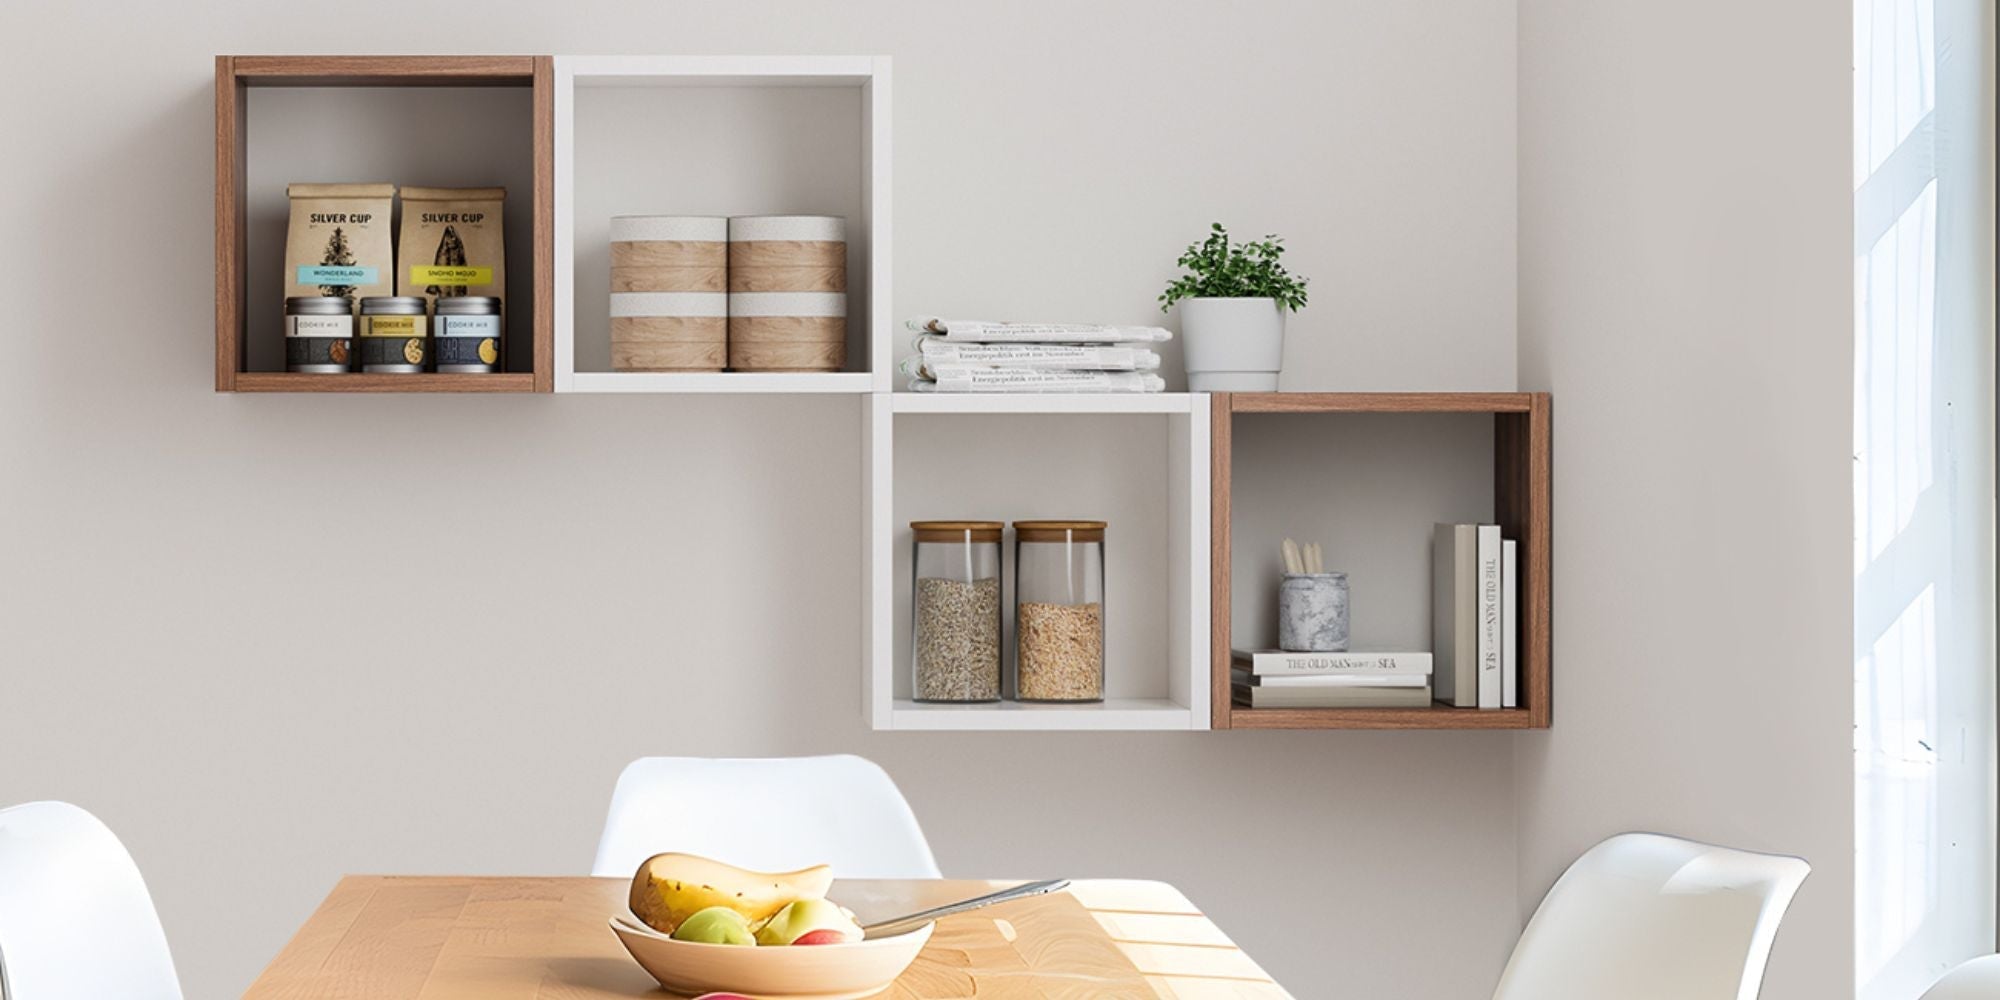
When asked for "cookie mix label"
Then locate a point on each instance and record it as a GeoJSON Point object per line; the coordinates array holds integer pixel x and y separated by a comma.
{"type": "Point", "coordinates": [468, 326]}
{"type": "Point", "coordinates": [319, 326]}
{"type": "Point", "coordinates": [392, 326]}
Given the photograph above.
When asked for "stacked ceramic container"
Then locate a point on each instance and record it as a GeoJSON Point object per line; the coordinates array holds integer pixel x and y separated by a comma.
{"type": "Point", "coordinates": [787, 293]}
{"type": "Point", "coordinates": [669, 293]}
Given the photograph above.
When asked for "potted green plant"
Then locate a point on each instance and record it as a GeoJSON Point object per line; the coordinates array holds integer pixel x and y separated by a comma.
{"type": "Point", "coordinates": [1233, 301]}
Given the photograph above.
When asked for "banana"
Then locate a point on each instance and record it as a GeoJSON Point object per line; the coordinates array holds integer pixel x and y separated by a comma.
{"type": "Point", "coordinates": [669, 888]}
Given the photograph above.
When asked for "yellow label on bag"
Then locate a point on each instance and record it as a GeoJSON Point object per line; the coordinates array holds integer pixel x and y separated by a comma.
{"type": "Point", "coordinates": [392, 326]}
{"type": "Point", "coordinates": [438, 274]}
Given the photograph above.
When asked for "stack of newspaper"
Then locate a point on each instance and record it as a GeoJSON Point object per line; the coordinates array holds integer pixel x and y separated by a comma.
{"type": "Point", "coordinates": [962, 355]}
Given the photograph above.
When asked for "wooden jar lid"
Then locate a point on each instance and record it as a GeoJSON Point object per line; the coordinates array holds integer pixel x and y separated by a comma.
{"type": "Point", "coordinates": [1059, 531]}
{"type": "Point", "coordinates": [954, 531]}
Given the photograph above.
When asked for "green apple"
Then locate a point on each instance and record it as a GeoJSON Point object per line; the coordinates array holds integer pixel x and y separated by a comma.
{"type": "Point", "coordinates": [715, 925]}
{"type": "Point", "coordinates": [818, 918]}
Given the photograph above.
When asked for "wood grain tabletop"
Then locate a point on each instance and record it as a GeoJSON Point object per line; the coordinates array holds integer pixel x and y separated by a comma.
{"type": "Point", "coordinates": [462, 938]}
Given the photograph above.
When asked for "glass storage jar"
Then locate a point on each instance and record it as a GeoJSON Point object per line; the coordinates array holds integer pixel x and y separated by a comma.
{"type": "Point", "coordinates": [1059, 610]}
{"type": "Point", "coordinates": [955, 609]}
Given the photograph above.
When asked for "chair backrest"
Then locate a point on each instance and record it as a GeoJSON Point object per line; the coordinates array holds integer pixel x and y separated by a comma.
{"type": "Point", "coordinates": [1978, 979]}
{"type": "Point", "coordinates": [76, 922]}
{"type": "Point", "coordinates": [768, 814]}
{"type": "Point", "coordinates": [1646, 917]}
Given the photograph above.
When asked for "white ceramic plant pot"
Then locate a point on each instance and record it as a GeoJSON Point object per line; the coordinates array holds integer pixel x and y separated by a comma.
{"type": "Point", "coordinates": [1232, 345]}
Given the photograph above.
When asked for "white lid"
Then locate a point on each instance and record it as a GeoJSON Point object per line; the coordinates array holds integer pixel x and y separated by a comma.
{"type": "Point", "coordinates": [801, 228]}
{"type": "Point", "coordinates": [662, 228]}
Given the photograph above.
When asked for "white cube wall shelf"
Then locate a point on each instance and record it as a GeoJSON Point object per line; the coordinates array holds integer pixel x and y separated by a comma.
{"type": "Point", "coordinates": [1140, 463]}
{"type": "Point", "coordinates": [719, 135]}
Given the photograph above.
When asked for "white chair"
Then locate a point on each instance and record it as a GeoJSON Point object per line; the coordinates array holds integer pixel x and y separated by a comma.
{"type": "Point", "coordinates": [768, 814]}
{"type": "Point", "coordinates": [1646, 917]}
{"type": "Point", "coordinates": [76, 922]}
{"type": "Point", "coordinates": [1978, 979]}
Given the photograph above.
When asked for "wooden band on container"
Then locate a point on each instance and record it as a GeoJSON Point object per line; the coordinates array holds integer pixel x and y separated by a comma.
{"type": "Point", "coordinates": [669, 279]}
{"type": "Point", "coordinates": [787, 253]}
{"type": "Point", "coordinates": [785, 279]}
{"type": "Point", "coordinates": [800, 357]}
{"type": "Point", "coordinates": [672, 253]}
{"type": "Point", "coordinates": [669, 304]}
{"type": "Point", "coordinates": [669, 329]}
{"type": "Point", "coordinates": [669, 228]}
{"type": "Point", "coordinates": [662, 357]}
{"type": "Point", "coordinates": [832, 304]}
{"type": "Point", "coordinates": [787, 330]}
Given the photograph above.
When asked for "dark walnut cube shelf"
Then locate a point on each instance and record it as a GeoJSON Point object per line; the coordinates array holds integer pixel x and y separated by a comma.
{"type": "Point", "coordinates": [1521, 505]}
{"type": "Point", "coordinates": [235, 75]}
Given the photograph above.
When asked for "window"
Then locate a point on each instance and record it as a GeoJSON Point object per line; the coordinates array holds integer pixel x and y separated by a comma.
{"type": "Point", "coordinates": [1924, 440]}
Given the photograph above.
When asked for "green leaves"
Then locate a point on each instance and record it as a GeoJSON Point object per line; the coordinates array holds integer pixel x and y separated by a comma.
{"type": "Point", "coordinates": [1218, 270]}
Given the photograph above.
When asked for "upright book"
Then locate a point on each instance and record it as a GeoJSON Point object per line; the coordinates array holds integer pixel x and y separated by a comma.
{"type": "Point", "coordinates": [1455, 614]}
{"type": "Point", "coordinates": [1274, 663]}
{"type": "Point", "coordinates": [1510, 624]}
{"type": "Point", "coordinates": [1490, 686]}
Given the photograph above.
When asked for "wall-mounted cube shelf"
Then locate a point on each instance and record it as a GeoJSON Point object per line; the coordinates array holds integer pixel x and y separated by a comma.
{"type": "Point", "coordinates": [448, 121]}
{"type": "Point", "coordinates": [719, 135]}
{"type": "Point", "coordinates": [1139, 463]}
{"type": "Point", "coordinates": [1368, 474]}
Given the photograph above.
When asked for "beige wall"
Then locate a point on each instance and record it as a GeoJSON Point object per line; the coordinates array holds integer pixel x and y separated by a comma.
{"type": "Point", "coordinates": [229, 625]}
{"type": "Point", "coordinates": [259, 704]}
{"type": "Point", "coordinates": [1686, 294]}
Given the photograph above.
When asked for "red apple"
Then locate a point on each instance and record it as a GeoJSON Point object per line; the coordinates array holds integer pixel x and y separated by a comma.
{"type": "Point", "coordinates": [822, 936]}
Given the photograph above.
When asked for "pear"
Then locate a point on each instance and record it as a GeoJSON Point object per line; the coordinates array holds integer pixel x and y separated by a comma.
{"type": "Point", "coordinates": [809, 921]}
{"type": "Point", "coordinates": [670, 888]}
{"type": "Point", "coordinates": [716, 925]}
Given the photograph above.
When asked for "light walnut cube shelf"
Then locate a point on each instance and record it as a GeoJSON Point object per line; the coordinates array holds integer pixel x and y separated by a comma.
{"type": "Point", "coordinates": [252, 170]}
{"type": "Point", "coordinates": [1520, 504]}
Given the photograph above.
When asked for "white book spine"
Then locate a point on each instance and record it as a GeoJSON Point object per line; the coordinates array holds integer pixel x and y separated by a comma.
{"type": "Point", "coordinates": [937, 353]}
{"type": "Point", "coordinates": [1274, 664]}
{"type": "Point", "coordinates": [1510, 624]}
{"type": "Point", "coordinates": [1489, 616]}
{"type": "Point", "coordinates": [1028, 380]}
{"type": "Point", "coordinates": [1342, 681]}
{"type": "Point", "coordinates": [986, 331]}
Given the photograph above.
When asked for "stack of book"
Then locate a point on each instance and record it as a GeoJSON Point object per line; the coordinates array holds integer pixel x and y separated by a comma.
{"type": "Point", "coordinates": [1474, 615]}
{"type": "Point", "coordinates": [1330, 680]}
{"type": "Point", "coordinates": [960, 355]}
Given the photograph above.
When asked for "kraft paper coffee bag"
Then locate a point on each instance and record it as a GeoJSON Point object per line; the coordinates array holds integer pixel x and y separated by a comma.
{"type": "Point", "coordinates": [339, 242]}
{"type": "Point", "coordinates": [451, 244]}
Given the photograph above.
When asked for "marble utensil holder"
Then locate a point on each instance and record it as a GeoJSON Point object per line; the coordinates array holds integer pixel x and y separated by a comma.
{"type": "Point", "coordinates": [1312, 613]}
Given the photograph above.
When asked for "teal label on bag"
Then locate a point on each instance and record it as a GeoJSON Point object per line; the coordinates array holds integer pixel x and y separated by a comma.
{"type": "Point", "coordinates": [331, 274]}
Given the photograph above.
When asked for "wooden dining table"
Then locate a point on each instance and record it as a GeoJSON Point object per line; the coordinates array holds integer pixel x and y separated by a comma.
{"type": "Point", "coordinates": [392, 937]}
